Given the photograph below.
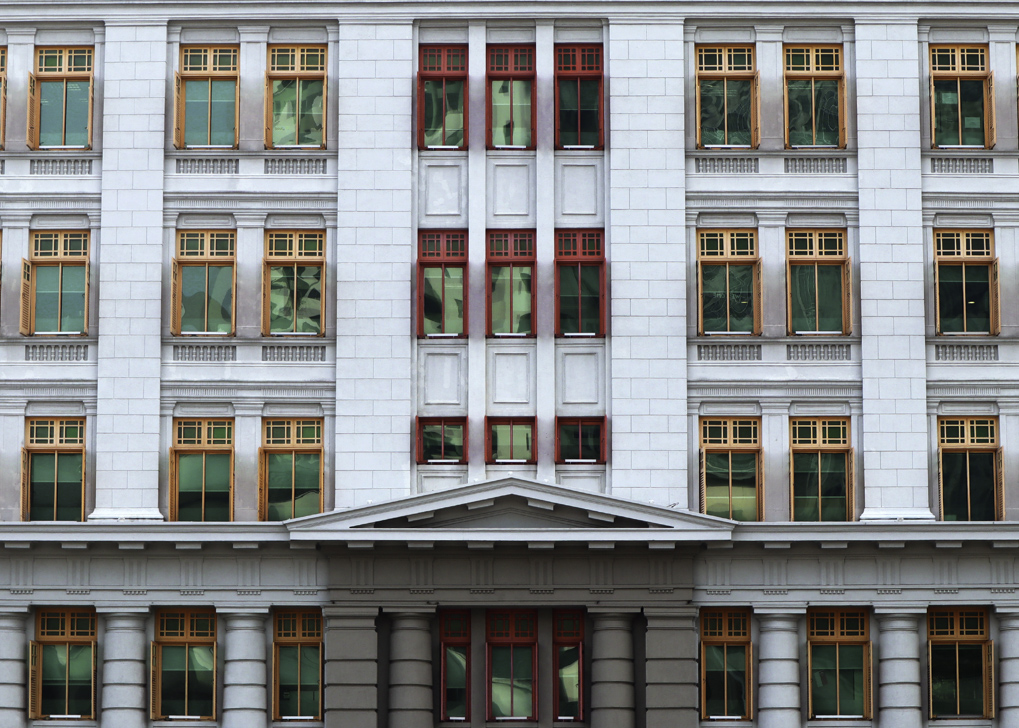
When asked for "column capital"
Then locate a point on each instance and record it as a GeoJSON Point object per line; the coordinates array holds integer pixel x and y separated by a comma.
{"type": "Point", "coordinates": [422, 611]}
{"type": "Point", "coordinates": [253, 33]}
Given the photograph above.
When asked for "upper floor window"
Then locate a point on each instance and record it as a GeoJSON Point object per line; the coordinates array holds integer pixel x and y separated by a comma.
{"type": "Point", "coordinates": [729, 270]}
{"type": "Point", "coordinates": [3, 95]}
{"type": "Point", "coordinates": [511, 291]}
{"type": "Point", "coordinates": [970, 475]}
{"type": "Point", "coordinates": [295, 97]}
{"type": "Point", "coordinates": [62, 665]}
{"type": "Point", "coordinates": [202, 283]}
{"type": "Point", "coordinates": [731, 468]}
{"type": "Point", "coordinates": [580, 283]}
{"type": "Point", "coordinates": [201, 470]}
{"type": "Point", "coordinates": [54, 284]}
{"type": "Point", "coordinates": [53, 470]}
{"type": "Point", "coordinates": [814, 96]}
{"type": "Point", "coordinates": [839, 663]}
{"type": "Point", "coordinates": [510, 440]}
{"type": "Point", "coordinates": [960, 663]}
{"type": "Point", "coordinates": [60, 98]}
{"type": "Point", "coordinates": [819, 274]}
{"type": "Point", "coordinates": [511, 109]}
{"type": "Point", "coordinates": [822, 469]}
{"type": "Point", "coordinates": [205, 97]}
{"type": "Point", "coordinates": [183, 663]}
{"type": "Point", "coordinates": [442, 440]}
{"type": "Point", "coordinates": [578, 97]}
{"type": "Point", "coordinates": [728, 99]}
{"type": "Point", "coordinates": [442, 97]}
{"type": "Point", "coordinates": [727, 664]}
{"type": "Point", "coordinates": [512, 645]}
{"type": "Point", "coordinates": [580, 440]}
{"type": "Point", "coordinates": [966, 282]}
{"type": "Point", "coordinates": [292, 282]}
{"type": "Point", "coordinates": [962, 97]}
{"type": "Point", "coordinates": [455, 649]}
{"type": "Point", "coordinates": [297, 665]}
{"type": "Point", "coordinates": [442, 283]}
{"type": "Point", "coordinates": [290, 469]}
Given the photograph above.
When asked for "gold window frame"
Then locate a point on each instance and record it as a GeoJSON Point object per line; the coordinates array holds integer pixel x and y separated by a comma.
{"type": "Point", "coordinates": [961, 626]}
{"type": "Point", "coordinates": [293, 248]}
{"type": "Point", "coordinates": [300, 627]}
{"type": "Point", "coordinates": [815, 69]}
{"type": "Point", "coordinates": [60, 626]}
{"type": "Point", "coordinates": [74, 63]}
{"type": "Point", "coordinates": [830, 434]}
{"type": "Point", "coordinates": [65, 247]}
{"type": "Point", "coordinates": [726, 68]}
{"type": "Point", "coordinates": [303, 69]}
{"type": "Point", "coordinates": [839, 625]}
{"type": "Point", "coordinates": [66, 435]}
{"type": "Point", "coordinates": [202, 248]}
{"type": "Point", "coordinates": [729, 246]}
{"type": "Point", "coordinates": [281, 434]}
{"type": "Point", "coordinates": [219, 62]}
{"type": "Point", "coordinates": [946, 62]}
{"type": "Point", "coordinates": [727, 626]}
{"type": "Point", "coordinates": [970, 247]}
{"type": "Point", "coordinates": [820, 246]}
{"type": "Point", "coordinates": [191, 620]}
{"type": "Point", "coordinates": [731, 434]}
{"type": "Point", "coordinates": [972, 434]}
{"type": "Point", "coordinates": [204, 442]}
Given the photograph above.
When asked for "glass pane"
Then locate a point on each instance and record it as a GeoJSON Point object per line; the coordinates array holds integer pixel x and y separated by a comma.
{"type": "Point", "coordinates": [284, 112]}
{"type": "Point", "coordinates": [308, 296]}
{"type": "Point", "coordinates": [456, 681]}
{"type": "Point", "coordinates": [189, 487]}
{"type": "Point", "coordinates": [217, 487]}
{"type": "Point", "coordinates": [951, 303]}
{"type": "Point", "coordinates": [281, 299]}
{"type": "Point", "coordinates": [736, 680]}
{"type": "Point", "coordinates": [833, 486]}
{"type": "Point", "coordinates": [829, 298]}
{"type": "Point", "coordinates": [79, 680]}
{"type": "Point", "coordinates": [522, 442]}
{"type": "Point", "coordinates": [222, 116]}
{"type": "Point", "coordinates": [943, 685]}
{"type": "Point", "coordinates": [72, 298]}
{"type": "Point", "coordinates": [826, 112]}
{"type": "Point", "coordinates": [981, 486]}
{"type": "Point", "coordinates": [569, 299]}
{"type": "Point", "coordinates": [520, 322]}
{"type": "Point", "coordinates": [716, 481]}
{"type": "Point", "coordinates": [569, 112]}
{"type": "Point", "coordinates": [309, 124]}
{"type": "Point", "coordinates": [590, 442]}
{"type": "Point", "coordinates": [196, 112]}
{"type": "Point", "coordinates": [805, 487]}
{"type": "Point", "coordinates": [971, 682]}
{"type": "Point", "coordinates": [744, 486]}
{"type": "Point", "coordinates": [309, 680]}
{"type": "Point", "coordinates": [307, 476]}
{"type": "Point", "coordinates": [53, 690]}
{"type": "Point", "coordinates": [279, 473]}
{"type": "Point", "coordinates": [971, 104]}
{"type": "Point", "coordinates": [714, 680]}
{"type": "Point", "coordinates": [502, 112]}
{"type": "Point", "coordinates": [221, 298]}
{"type": "Point", "coordinates": [289, 684]}
{"type": "Point", "coordinates": [738, 111]}
{"type": "Point", "coordinates": [712, 111]}
{"type": "Point", "coordinates": [431, 442]}
{"type": "Point", "coordinates": [568, 681]}
{"type": "Point", "coordinates": [741, 298]}
{"type": "Point", "coordinates": [42, 476]}
{"type": "Point", "coordinates": [569, 442]}
{"type": "Point", "coordinates": [713, 297]}
{"type": "Point", "coordinates": [201, 680]}
{"type": "Point", "coordinates": [431, 300]}
{"type": "Point", "coordinates": [502, 445]}
{"type": "Point", "coordinates": [851, 679]}
{"type": "Point", "coordinates": [590, 112]}
{"type": "Point", "coordinates": [453, 442]}
{"type": "Point", "coordinates": [946, 112]}
{"type": "Point", "coordinates": [523, 670]}
{"type": "Point", "coordinates": [453, 278]}
{"type": "Point", "coordinates": [454, 114]}
{"type": "Point", "coordinates": [590, 299]}
{"type": "Point", "coordinates": [802, 298]}
{"type": "Point", "coordinates": [173, 680]}
{"type": "Point", "coordinates": [192, 298]}
{"type": "Point", "coordinates": [47, 297]}
{"type": "Point", "coordinates": [51, 113]}
{"type": "Point", "coordinates": [76, 125]}
{"type": "Point", "coordinates": [502, 687]}
{"type": "Point", "coordinates": [433, 111]}
{"type": "Point", "coordinates": [522, 113]}
{"type": "Point", "coordinates": [823, 679]}
{"type": "Point", "coordinates": [69, 479]}
{"type": "Point", "coordinates": [978, 298]}
{"type": "Point", "coordinates": [502, 298]}
{"type": "Point", "coordinates": [801, 112]}
{"type": "Point", "coordinates": [954, 499]}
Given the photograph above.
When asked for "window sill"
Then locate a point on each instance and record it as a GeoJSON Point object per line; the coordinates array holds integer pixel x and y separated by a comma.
{"type": "Point", "coordinates": [63, 723]}
{"type": "Point", "coordinates": [183, 723]}
{"type": "Point", "coordinates": [303, 723]}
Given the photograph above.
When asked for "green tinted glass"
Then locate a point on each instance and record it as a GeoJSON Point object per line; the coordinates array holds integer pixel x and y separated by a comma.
{"type": "Point", "coordinates": [824, 679]}
{"type": "Point", "coordinates": [280, 478]}
{"type": "Point", "coordinates": [455, 676]}
{"type": "Point", "coordinates": [511, 112]}
{"type": "Point", "coordinates": [288, 680]}
{"type": "Point", "coordinates": [47, 298]}
{"type": "Point", "coordinates": [76, 121]}
{"type": "Point", "coordinates": [568, 681]}
{"type": "Point", "coordinates": [201, 680]}
{"type": "Point", "coordinates": [51, 113]}
{"type": "Point", "coordinates": [851, 677]}
{"type": "Point", "coordinates": [511, 299]}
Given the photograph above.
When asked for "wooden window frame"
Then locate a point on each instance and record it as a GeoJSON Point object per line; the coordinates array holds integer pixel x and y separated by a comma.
{"type": "Point", "coordinates": [205, 443]}
{"type": "Point", "coordinates": [573, 61]}
{"type": "Point", "coordinates": [292, 443]}
{"type": "Point", "coordinates": [515, 70]}
{"type": "Point", "coordinates": [308, 631]}
{"type": "Point", "coordinates": [209, 73]}
{"type": "Point", "coordinates": [189, 636]}
{"type": "Point", "coordinates": [450, 637]}
{"type": "Point", "coordinates": [729, 253]}
{"type": "Point", "coordinates": [729, 632]}
{"type": "Point", "coordinates": [64, 73]}
{"type": "Point", "coordinates": [204, 256]}
{"type": "Point", "coordinates": [565, 636]}
{"type": "Point", "coordinates": [442, 249]}
{"type": "Point", "coordinates": [301, 73]}
{"type": "Point", "coordinates": [71, 248]}
{"type": "Point", "coordinates": [813, 73]}
{"type": "Point", "coordinates": [513, 422]}
{"type": "Point", "coordinates": [423, 422]}
{"type": "Point", "coordinates": [841, 634]}
{"type": "Point", "coordinates": [728, 73]}
{"type": "Point", "coordinates": [970, 442]}
{"type": "Point", "coordinates": [582, 422]}
{"type": "Point", "coordinates": [968, 253]}
{"type": "Point", "coordinates": [815, 256]}
{"type": "Point", "coordinates": [3, 96]}
{"type": "Point", "coordinates": [939, 74]}
{"type": "Point", "coordinates": [296, 253]}
{"type": "Point", "coordinates": [952, 631]}
{"type": "Point", "coordinates": [60, 626]}
{"type": "Point", "coordinates": [731, 444]}
{"type": "Point", "coordinates": [823, 444]}
{"type": "Point", "coordinates": [446, 72]}
{"type": "Point", "coordinates": [515, 636]}
{"type": "Point", "coordinates": [58, 442]}
{"type": "Point", "coordinates": [511, 249]}
{"type": "Point", "coordinates": [581, 247]}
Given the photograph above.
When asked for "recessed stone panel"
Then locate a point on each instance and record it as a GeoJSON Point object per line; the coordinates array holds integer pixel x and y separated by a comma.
{"type": "Point", "coordinates": [435, 479]}
{"type": "Point", "coordinates": [442, 194]}
{"type": "Point", "coordinates": [580, 379]}
{"type": "Point", "coordinates": [443, 377]}
{"type": "Point", "coordinates": [591, 481]}
{"type": "Point", "coordinates": [511, 379]}
{"type": "Point", "coordinates": [511, 192]}
{"type": "Point", "coordinates": [579, 191]}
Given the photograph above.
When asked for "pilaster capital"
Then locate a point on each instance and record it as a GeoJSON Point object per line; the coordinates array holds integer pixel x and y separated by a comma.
{"type": "Point", "coordinates": [253, 33]}
{"type": "Point", "coordinates": [250, 219]}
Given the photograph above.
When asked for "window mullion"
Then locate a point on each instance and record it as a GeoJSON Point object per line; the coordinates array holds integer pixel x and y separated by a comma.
{"type": "Point", "coordinates": [60, 297]}
{"type": "Point", "coordinates": [817, 299]}
{"type": "Point", "coordinates": [728, 312]}
{"type": "Point", "coordinates": [813, 111]}
{"type": "Point", "coordinates": [67, 676]}
{"type": "Point", "coordinates": [838, 681]}
{"type": "Point", "coordinates": [293, 482]}
{"type": "Point", "coordinates": [965, 323]}
{"type": "Point", "coordinates": [958, 106]}
{"type": "Point", "coordinates": [969, 490]}
{"type": "Point", "coordinates": [63, 118]}
{"type": "Point", "coordinates": [725, 110]}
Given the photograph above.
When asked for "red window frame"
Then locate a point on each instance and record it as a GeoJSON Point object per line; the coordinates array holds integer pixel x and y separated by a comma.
{"type": "Point", "coordinates": [580, 248]}
{"type": "Point", "coordinates": [582, 422]}
{"type": "Point", "coordinates": [568, 630]}
{"type": "Point", "coordinates": [515, 628]}
{"type": "Point", "coordinates": [511, 249]}
{"type": "Point", "coordinates": [515, 421]}
{"type": "Point", "coordinates": [441, 249]}
{"type": "Point", "coordinates": [516, 63]}
{"type": "Point", "coordinates": [449, 636]}
{"type": "Point", "coordinates": [442, 421]}
{"type": "Point", "coordinates": [576, 62]}
{"type": "Point", "coordinates": [452, 65]}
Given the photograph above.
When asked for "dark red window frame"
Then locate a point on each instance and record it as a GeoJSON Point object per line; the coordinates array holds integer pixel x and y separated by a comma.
{"type": "Point", "coordinates": [578, 62]}
{"type": "Point", "coordinates": [441, 249]}
{"type": "Point", "coordinates": [513, 627]}
{"type": "Point", "coordinates": [568, 630]}
{"type": "Point", "coordinates": [531, 421]}
{"type": "Point", "coordinates": [581, 248]}
{"type": "Point", "coordinates": [442, 421]}
{"type": "Point", "coordinates": [560, 456]}
{"type": "Point", "coordinates": [455, 638]}
{"type": "Point", "coordinates": [450, 63]}
{"type": "Point", "coordinates": [516, 63]}
{"type": "Point", "coordinates": [510, 249]}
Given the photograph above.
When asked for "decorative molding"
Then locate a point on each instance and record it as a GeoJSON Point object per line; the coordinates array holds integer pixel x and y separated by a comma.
{"type": "Point", "coordinates": [60, 167]}
{"type": "Point", "coordinates": [292, 353]}
{"type": "Point", "coordinates": [207, 165]}
{"type": "Point", "coordinates": [816, 165]}
{"type": "Point", "coordinates": [966, 352]}
{"type": "Point", "coordinates": [962, 165]}
{"type": "Point", "coordinates": [204, 352]}
{"type": "Point", "coordinates": [728, 352]}
{"type": "Point", "coordinates": [818, 352]}
{"type": "Point", "coordinates": [296, 165]}
{"type": "Point", "coordinates": [56, 352]}
{"type": "Point", "coordinates": [726, 165]}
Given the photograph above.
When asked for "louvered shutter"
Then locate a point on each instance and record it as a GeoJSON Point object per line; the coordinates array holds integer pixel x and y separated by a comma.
{"type": "Point", "coordinates": [789, 295]}
{"type": "Point", "coordinates": [930, 681]}
{"type": "Point", "coordinates": [25, 326]}
{"type": "Point", "coordinates": [321, 676]}
{"type": "Point", "coordinates": [937, 298]}
{"type": "Point", "coordinates": [26, 487]}
{"type": "Point", "coordinates": [178, 112]}
{"type": "Point", "coordinates": [233, 299]}
{"type": "Point", "coordinates": [703, 483]}
{"type": "Point", "coordinates": [91, 106]}
{"type": "Point", "coordinates": [174, 485]}
{"type": "Point", "coordinates": [847, 297]}
{"type": "Point", "coordinates": [274, 703]}
{"type": "Point", "coordinates": [154, 705]}
{"type": "Point", "coordinates": [325, 117]}
{"type": "Point", "coordinates": [263, 487]}
{"type": "Point", "coordinates": [990, 128]}
{"type": "Point", "coordinates": [868, 681]}
{"type": "Point", "coordinates": [697, 110]}
{"type": "Point", "coordinates": [995, 299]}
{"type": "Point", "coordinates": [3, 111]}
{"type": "Point", "coordinates": [810, 680]}
{"type": "Point", "coordinates": [33, 113]}
{"type": "Point", "coordinates": [756, 110]}
{"type": "Point", "coordinates": [999, 485]}
{"type": "Point", "coordinates": [785, 109]}
{"type": "Point", "coordinates": [760, 485]}
{"type": "Point", "coordinates": [941, 488]}
{"type": "Point", "coordinates": [33, 679]}
{"type": "Point", "coordinates": [324, 301]}
{"type": "Point", "coordinates": [268, 113]}
{"type": "Point", "coordinates": [851, 485]}
{"type": "Point", "coordinates": [215, 683]}
{"type": "Point", "coordinates": [88, 278]}
{"type": "Point", "coordinates": [750, 681]}
{"type": "Point", "coordinates": [989, 679]}
{"type": "Point", "coordinates": [237, 113]}
{"type": "Point", "coordinates": [758, 297]}
{"type": "Point", "coordinates": [934, 144]}
{"type": "Point", "coordinates": [265, 298]}
{"type": "Point", "coordinates": [175, 300]}
{"type": "Point", "coordinates": [843, 130]}
{"type": "Point", "coordinates": [95, 683]}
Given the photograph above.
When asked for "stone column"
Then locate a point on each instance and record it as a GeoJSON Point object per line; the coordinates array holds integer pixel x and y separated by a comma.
{"type": "Point", "coordinates": [1008, 668]}
{"type": "Point", "coordinates": [672, 678]}
{"type": "Point", "coordinates": [244, 669]}
{"type": "Point", "coordinates": [898, 678]}
{"type": "Point", "coordinates": [125, 675]}
{"type": "Point", "coordinates": [13, 669]}
{"type": "Point", "coordinates": [612, 696]}
{"type": "Point", "coordinates": [351, 667]}
{"type": "Point", "coordinates": [410, 671]}
{"type": "Point", "coordinates": [778, 701]}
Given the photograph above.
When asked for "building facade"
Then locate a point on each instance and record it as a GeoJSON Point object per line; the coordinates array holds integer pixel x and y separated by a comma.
{"type": "Point", "coordinates": [398, 365]}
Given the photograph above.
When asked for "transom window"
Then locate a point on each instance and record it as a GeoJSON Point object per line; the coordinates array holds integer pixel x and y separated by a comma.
{"type": "Point", "coordinates": [293, 282]}
{"type": "Point", "coordinates": [206, 97]}
{"type": "Point", "coordinates": [202, 283]}
{"type": "Point", "coordinates": [442, 283]}
{"type": "Point", "coordinates": [60, 99]}
{"type": "Point", "coordinates": [727, 663]}
{"type": "Point", "coordinates": [580, 440]}
{"type": "Point", "coordinates": [960, 663]}
{"type": "Point", "coordinates": [966, 282]}
{"type": "Point", "coordinates": [511, 440]}
{"type": "Point", "coordinates": [819, 272]}
{"type": "Point", "coordinates": [442, 95]}
{"type": "Point", "coordinates": [512, 295]}
{"type": "Point", "coordinates": [184, 665]}
{"type": "Point", "coordinates": [297, 665]}
{"type": "Point", "coordinates": [578, 86]}
{"type": "Point", "coordinates": [580, 283]}
{"type": "Point", "coordinates": [53, 470]}
{"type": "Point", "coordinates": [840, 663]}
{"type": "Point", "coordinates": [729, 271]}
{"type": "Point", "coordinates": [290, 473]}
{"type": "Point", "coordinates": [727, 97]}
{"type": "Point", "coordinates": [512, 645]}
{"type": "Point", "coordinates": [970, 469]}
{"type": "Point", "coordinates": [201, 470]}
{"type": "Point", "coordinates": [54, 284]}
{"type": "Point", "coordinates": [962, 97]}
{"type": "Point", "coordinates": [442, 440]}
{"type": "Point", "coordinates": [511, 109]}
{"type": "Point", "coordinates": [295, 97]}
{"type": "Point", "coordinates": [814, 96]}
{"type": "Point", "coordinates": [822, 470]}
{"type": "Point", "coordinates": [62, 665]}
{"type": "Point", "coordinates": [731, 477]}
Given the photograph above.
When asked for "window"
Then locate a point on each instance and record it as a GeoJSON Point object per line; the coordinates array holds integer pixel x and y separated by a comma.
{"type": "Point", "coordinates": [442, 440]}
{"type": "Point", "coordinates": [455, 646]}
{"type": "Point", "coordinates": [442, 95]}
{"type": "Point", "coordinates": [568, 664]}
{"type": "Point", "coordinates": [966, 282]}
{"type": "Point", "coordinates": [3, 95]}
{"type": "Point", "coordinates": [580, 440]}
{"type": "Point", "coordinates": [53, 470]}
{"type": "Point", "coordinates": [60, 97]}
{"type": "Point", "coordinates": [297, 665]}
{"type": "Point", "coordinates": [512, 646]}
{"type": "Point", "coordinates": [822, 470]}
{"type": "Point", "coordinates": [962, 97]}
{"type": "Point", "coordinates": [727, 97]}
{"type": "Point", "coordinates": [730, 282]}
{"type": "Point", "coordinates": [62, 665]}
{"type": "Point", "coordinates": [732, 474]}
{"type": "Point", "coordinates": [510, 440]}
{"type": "Point", "coordinates": [442, 283]}
{"type": "Point", "coordinates": [960, 663]}
{"type": "Point", "coordinates": [290, 474]}
{"type": "Point", "coordinates": [292, 283]}
{"type": "Point", "coordinates": [511, 109]}
{"type": "Point", "coordinates": [202, 285]}
{"type": "Point", "coordinates": [578, 96]}
{"type": "Point", "coordinates": [839, 663]}
{"type": "Point", "coordinates": [970, 476]}
{"type": "Point", "coordinates": [205, 98]}
{"type": "Point", "coordinates": [54, 284]}
{"type": "Point", "coordinates": [295, 97]}
{"type": "Point", "coordinates": [814, 92]}
{"type": "Point", "coordinates": [580, 283]}
{"type": "Point", "coordinates": [201, 470]}
{"type": "Point", "coordinates": [184, 665]}
{"type": "Point", "coordinates": [727, 664]}
{"type": "Point", "coordinates": [820, 282]}
{"type": "Point", "coordinates": [512, 296]}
